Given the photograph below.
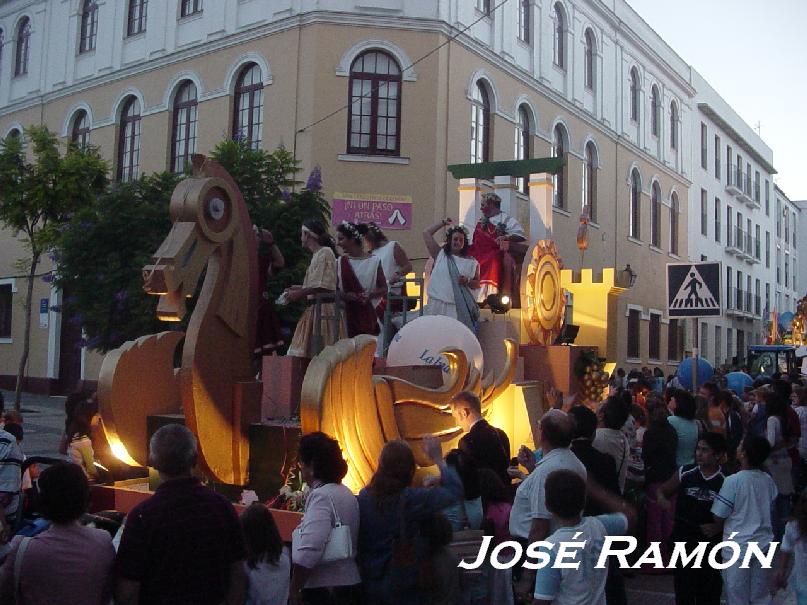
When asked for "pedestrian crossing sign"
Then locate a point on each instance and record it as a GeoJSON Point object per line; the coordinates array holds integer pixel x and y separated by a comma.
{"type": "Point", "coordinates": [693, 289]}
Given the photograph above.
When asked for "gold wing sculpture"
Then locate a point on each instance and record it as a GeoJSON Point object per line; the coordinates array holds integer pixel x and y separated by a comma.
{"type": "Point", "coordinates": [342, 397]}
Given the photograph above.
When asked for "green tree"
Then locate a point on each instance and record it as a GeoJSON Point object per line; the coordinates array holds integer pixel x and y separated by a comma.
{"type": "Point", "coordinates": [100, 253]}
{"type": "Point", "coordinates": [102, 249]}
{"type": "Point", "coordinates": [38, 190]}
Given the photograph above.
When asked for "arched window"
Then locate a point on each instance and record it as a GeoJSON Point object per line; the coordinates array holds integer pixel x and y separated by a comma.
{"type": "Point", "coordinates": [635, 230]}
{"type": "Point", "coordinates": [674, 211]}
{"type": "Point", "coordinates": [248, 110]}
{"type": "Point", "coordinates": [560, 35]}
{"type": "Point", "coordinates": [23, 43]}
{"type": "Point", "coordinates": [374, 118]}
{"type": "Point", "coordinates": [80, 131]}
{"type": "Point", "coordinates": [89, 26]}
{"type": "Point", "coordinates": [635, 91]}
{"type": "Point", "coordinates": [523, 145]}
{"type": "Point", "coordinates": [129, 140]}
{"type": "Point", "coordinates": [136, 20]}
{"type": "Point", "coordinates": [559, 149]}
{"type": "Point", "coordinates": [14, 133]}
{"type": "Point", "coordinates": [673, 125]}
{"type": "Point", "coordinates": [480, 124]}
{"type": "Point", "coordinates": [655, 111]}
{"type": "Point", "coordinates": [655, 216]}
{"type": "Point", "coordinates": [590, 52]}
{"type": "Point", "coordinates": [590, 182]}
{"type": "Point", "coordinates": [184, 126]}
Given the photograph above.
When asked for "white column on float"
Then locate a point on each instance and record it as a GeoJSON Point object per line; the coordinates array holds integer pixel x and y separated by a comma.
{"type": "Point", "coordinates": [541, 193]}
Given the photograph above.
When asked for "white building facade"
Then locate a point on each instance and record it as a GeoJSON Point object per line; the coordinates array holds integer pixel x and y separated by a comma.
{"type": "Point", "coordinates": [731, 220]}
{"type": "Point", "coordinates": [789, 289]}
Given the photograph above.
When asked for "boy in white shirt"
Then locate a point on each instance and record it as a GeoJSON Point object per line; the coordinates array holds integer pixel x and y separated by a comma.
{"type": "Point", "coordinates": [743, 508]}
{"type": "Point", "coordinates": [565, 499]}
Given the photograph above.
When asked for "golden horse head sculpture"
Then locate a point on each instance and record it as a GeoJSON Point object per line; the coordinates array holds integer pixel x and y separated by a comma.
{"type": "Point", "coordinates": [343, 398]}
{"type": "Point", "coordinates": [214, 386]}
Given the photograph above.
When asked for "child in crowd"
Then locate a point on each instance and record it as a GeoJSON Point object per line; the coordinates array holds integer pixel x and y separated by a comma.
{"type": "Point", "coordinates": [565, 499]}
{"type": "Point", "coordinates": [697, 485]}
{"type": "Point", "coordinates": [794, 551]}
{"type": "Point", "coordinates": [268, 563]}
{"type": "Point", "coordinates": [742, 510]}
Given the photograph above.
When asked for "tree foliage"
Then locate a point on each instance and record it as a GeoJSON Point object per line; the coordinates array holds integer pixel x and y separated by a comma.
{"type": "Point", "coordinates": [102, 248]}
{"type": "Point", "coordinates": [40, 188]}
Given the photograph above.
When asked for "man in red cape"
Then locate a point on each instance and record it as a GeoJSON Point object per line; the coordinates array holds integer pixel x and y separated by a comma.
{"type": "Point", "coordinates": [492, 229]}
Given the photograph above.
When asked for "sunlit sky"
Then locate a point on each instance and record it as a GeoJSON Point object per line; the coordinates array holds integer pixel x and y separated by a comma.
{"type": "Point", "coordinates": [755, 55]}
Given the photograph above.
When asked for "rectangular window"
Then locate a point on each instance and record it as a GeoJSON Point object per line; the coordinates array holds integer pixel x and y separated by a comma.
{"type": "Point", "coordinates": [787, 271]}
{"type": "Point", "coordinates": [728, 225]}
{"type": "Point", "coordinates": [757, 297]}
{"type": "Point", "coordinates": [634, 317]}
{"type": "Point", "coordinates": [190, 7]}
{"type": "Point", "coordinates": [524, 20]}
{"type": "Point", "coordinates": [654, 340]}
{"type": "Point", "coordinates": [787, 227]}
{"type": "Point", "coordinates": [704, 213]}
{"type": "Point", "coordinates": [767, 299]}
{"type": "Point", "coordinates": [793, 224]}
{"type": "Point", "coordinates": [757, 242]}
{"type": "Point", "coordinates": [718, 345]}
{"type": "Point", "coordinates": [5, 310]}
{"type": "Point", "coordinates": [136, 23]}
{"type": "Point", "coordinates": [778, 219]}
{"type": "Point", "coordinates": [767, 249]}
{"type": "Point", "coordinates": [756, 186]}
{"type": "Point", "coordinates": [767, 197]}
{"type": "Point", "coordinates": [728, 165]}
{"type": "Point", "coordinates": [748, 179]}
{"type": "Point", "coordinates": [704, 337]}
{"type": "Point", "coordinates": [718, 216]}
{"type": "Point", "coordinates": [704, 147]}
{"type": "Point", "coordinates": [673, 341]}
{"type": "Point", "coordinates": [483, 6]}
{"type": "Point", "coordinates": [729, 304]}
{"type": "Point", "coordinates": [729, 344]}
{"type": "Point", "coordinates": [717, 157]}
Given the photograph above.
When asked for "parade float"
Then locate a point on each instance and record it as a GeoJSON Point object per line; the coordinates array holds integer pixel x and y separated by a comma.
{"type": "Point", "coordinates": [204, 377]}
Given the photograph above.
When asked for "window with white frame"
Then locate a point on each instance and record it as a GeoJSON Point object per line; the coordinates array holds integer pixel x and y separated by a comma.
{"type": "Point", "coordinates": [374, 120]}
{"type": "Point", "coordinates": [184, 126]}
{"type": "Point", "coordinates": [590, 182]}
{"type": "Point", "coordinates": [523, 145]}
{"type": "Point", "coordinates": [560, 37]}
{"type": "Point", "coordinates": [89, 26]}
{"type": "Point", "coordinates": [480, 124]}
{"type": "Point", "coordinates": [635, 92]}
{"type": "Point", "coordinates": [675, 211]}
{"type": "Point", "coordinates": [673, 125]}
{"type": "Point", "coordinates": [80, 130]}
{"type": "Point", "coordinates": [524, 20]}
{"type": "Point", "coordinates": [559, 148]}
{"type": "Point", "coordinates": [655, 216]}
{"type": "Point", "coordinates": [634, 227]}
{"type": "Point", "coordinates": [248, 105]}
{"type": "Point", "coordinates": [129, 140]}
{"type": "Point", "coordinates": [655, 111]}
{"type": "Point", "coordinates": [589, 56]}
{"type": "Point", "coordinates": [22, 47]}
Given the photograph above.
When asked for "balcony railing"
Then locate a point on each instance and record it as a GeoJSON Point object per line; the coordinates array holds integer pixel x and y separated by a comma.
{"type": "Point", "coordinates": [734, 180]}
{"type": "Point", "coordinates": [735, 241]}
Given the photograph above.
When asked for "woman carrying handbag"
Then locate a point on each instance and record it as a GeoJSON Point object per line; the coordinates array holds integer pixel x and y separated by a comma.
{"type": "Point", "coordinates": [324, 545]}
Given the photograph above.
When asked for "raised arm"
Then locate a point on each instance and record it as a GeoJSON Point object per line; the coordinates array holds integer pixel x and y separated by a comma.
{"type": "Point", "coordinates": [428, 237]}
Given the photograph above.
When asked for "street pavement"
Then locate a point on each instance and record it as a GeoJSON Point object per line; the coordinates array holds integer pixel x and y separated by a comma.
{"type": "Point", "coordinates": [43, 422]}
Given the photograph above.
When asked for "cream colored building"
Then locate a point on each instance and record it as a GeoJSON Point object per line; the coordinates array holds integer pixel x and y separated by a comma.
{"type": "Point", "coordinates": [148, 83]}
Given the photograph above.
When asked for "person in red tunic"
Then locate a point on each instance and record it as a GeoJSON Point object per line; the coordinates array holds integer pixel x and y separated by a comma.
{"type": "Point", "coordinates": [492, 229]}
